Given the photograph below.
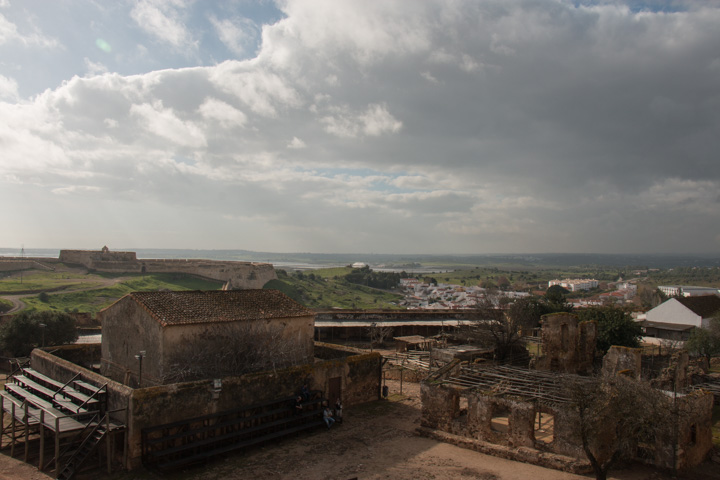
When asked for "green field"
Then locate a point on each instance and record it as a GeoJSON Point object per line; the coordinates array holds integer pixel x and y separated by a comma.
{"type": "Point", "coordinates": [325, 289]}
{"type": "Point", "coordinates": [43, 281]}
{"type": "Point", "coordinates": [319, 289]}
{"type": "Point", "coordinates": [94, 300]}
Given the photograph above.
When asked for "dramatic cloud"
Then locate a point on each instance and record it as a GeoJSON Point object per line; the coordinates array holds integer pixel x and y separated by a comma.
{"type": "Point", "coordinates": [458, 127]}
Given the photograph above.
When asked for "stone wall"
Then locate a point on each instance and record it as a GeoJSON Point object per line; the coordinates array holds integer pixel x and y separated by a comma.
{"type": "Point", "coordinates": [124, 335]}
{"type": "Point", "coordinates": [129, 329]}
{"type": "Point", "coordinates": [507, 424]}
{"type": "Point", "coordinates": [623, 360]}
{"type": "Point", "coordinates": [91, 258]}
{"type": "Point", "coordinates": [147, 407]}
{"type": "Point", "coordinates": [237, 275]}
{"type": "Point", "coordinates": [568, 346]}
{"type": "Point", "coordinates": [694, 430]}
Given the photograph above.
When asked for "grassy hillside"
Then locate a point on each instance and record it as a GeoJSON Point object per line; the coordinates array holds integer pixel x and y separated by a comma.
{"type": "Point", "coordinates": [94, 300]}
{"type": "Point", "coordinates": [44, 281]}
{"type": "Point", "coordinates": [325, 288]}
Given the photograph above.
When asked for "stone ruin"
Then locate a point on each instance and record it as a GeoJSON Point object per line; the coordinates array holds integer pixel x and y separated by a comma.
{"type": "Point", "coordinates": [526, 414]}
{"type": "Point", "coordinates": [568, 346]}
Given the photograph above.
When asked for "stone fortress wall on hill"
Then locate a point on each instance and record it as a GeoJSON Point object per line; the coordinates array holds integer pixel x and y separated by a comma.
{"type": "Point", "coordinates": [236, 275]}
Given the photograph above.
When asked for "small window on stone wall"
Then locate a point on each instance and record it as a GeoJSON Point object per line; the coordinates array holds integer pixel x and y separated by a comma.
{"type": "Point", "coordinates": [500, 420]}
{"type": "Point", "coordinates": [544, 427]}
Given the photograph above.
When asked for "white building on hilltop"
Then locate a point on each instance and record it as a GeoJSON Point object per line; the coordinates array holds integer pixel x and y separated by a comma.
{"type": "Point", "coordinates": [575, 284]}
{"type": "Point", "coordinates": [687, 290]}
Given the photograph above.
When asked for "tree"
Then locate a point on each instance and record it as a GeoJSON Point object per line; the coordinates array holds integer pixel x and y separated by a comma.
{"type": "Point", "coordinates": [503, 283]}
{"type": "Point", "coordinates": [378, 334]}
{"type": "Point", "coordinates": [615, 415]}
{"type": "Point", "coordinates": [615, 327]}
{"type": "Point", "coordinates": [555, 299]}
{"type": "Point", "coordinates": [529, 310]}
{"type": "Point", "coordinates": [25, 331]}
{"type": "Point", "coordinates": [501, 329]}
{"type": "Point", "coordinates": [705, 341]}
{"type": "Point", "coordinates": [650, 297]}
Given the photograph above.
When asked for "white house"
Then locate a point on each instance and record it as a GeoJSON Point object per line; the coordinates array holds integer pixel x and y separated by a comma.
{"type": "Point", "coordinates": [676, 317]}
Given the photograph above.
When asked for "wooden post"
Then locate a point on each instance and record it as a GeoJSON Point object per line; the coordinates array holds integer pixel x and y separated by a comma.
{"type": "Point", "coordinates": [126, 436]}
{"type": "Point", "coordinates": [108, 445]}
{"type": "Point", "coordinates": [42, 440]}
{"type": "Point", "coordinates": [57, 447]}
{"type": "Point", "coordinates": [2, 419]}
{"type": "Point", "coordinates": [12, 429]}
{"type": "Point", "coordinates": [26, 421]}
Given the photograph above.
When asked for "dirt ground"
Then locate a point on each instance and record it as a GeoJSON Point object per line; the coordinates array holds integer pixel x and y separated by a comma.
{"type": "Point", "coordinates": [376, 441]}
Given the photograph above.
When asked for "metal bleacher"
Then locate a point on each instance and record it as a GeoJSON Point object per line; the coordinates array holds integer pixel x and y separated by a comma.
{"type": "Point", "coordinates": [74, 414]}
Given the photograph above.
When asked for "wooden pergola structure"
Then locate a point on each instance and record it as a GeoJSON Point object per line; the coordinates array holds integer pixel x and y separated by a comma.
{"type": "Point", "coordinates": [548, 387]}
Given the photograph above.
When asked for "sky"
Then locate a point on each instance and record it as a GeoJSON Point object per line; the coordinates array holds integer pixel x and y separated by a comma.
{"type": "Point", "coordinates": [340, 126]}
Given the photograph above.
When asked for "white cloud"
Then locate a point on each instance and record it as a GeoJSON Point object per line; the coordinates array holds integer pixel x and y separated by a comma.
{"type": "Point", "coordinates": [162, 20]}
{"type": "Point", "coordinates": [264, 92]}
{"type": "Point", "coordinates": [73, 189]}
{"type": "Point", "coordinates": [9, 33]}
{"type": "Point", "coordinates": [165, 123]}
{"type": "Point", "coordinates": [237, 34]}
{"type": "Point", "coordinates": [374, 121]}
{"type": "Point", "coordinates": [296, 144]}
{"type": "Point", "coordinates": [8, 88]}
{"type": "Point", "coordinates": [227, 115]}
{"type": "Point", "coordinates": [94, 68]}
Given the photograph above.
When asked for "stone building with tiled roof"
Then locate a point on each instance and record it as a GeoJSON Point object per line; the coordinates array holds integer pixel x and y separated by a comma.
{"type": "Point", "coordinates": [155, 338]}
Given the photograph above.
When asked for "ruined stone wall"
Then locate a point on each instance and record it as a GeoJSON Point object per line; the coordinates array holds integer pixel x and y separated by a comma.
{"type": "Point", "coordinates": [359, 374]}
{"type": "Point", "coordinates": [238, 275]}
{"type": "Point", "coordinates": [89, 258]}
{"type": "Point", "coordinates": [496, 419]}
{"type": "Point", "coordinates": [694, 429]}
{"type": "Point", "coordinates": [165, 404]}
{"type": "Point", "coordinates": [623, 360]}
{"type": "Point", "coordinates": [568, 346]}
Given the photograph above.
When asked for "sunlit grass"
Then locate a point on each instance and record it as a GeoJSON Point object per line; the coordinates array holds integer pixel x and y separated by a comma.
{"type": "Point", "coordinates": [95, 300]}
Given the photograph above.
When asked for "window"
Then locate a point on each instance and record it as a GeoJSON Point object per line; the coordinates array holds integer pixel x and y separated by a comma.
{"type": "Point", "coordinates": [500, 421]}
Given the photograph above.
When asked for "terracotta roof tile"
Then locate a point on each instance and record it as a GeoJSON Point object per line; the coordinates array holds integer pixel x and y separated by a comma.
{"type": "Point", "coordinates": [179, 308]}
